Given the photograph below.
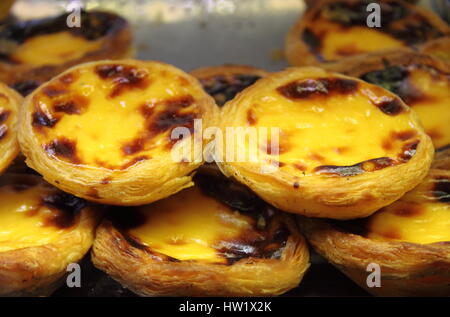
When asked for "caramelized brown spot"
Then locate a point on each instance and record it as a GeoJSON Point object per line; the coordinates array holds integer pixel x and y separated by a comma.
{"type": "Point", "coordinates": [54, 91]}
{"type": "Point", "coordinates": [77, 105]}
{"type": "Point", "coordinates": [124, 78]}
{"type": "Point", "coordinates": [42, 119]}
{"type": "Point", "coordinates": [300, 167]}
{"type": "Point", "coordinates": [318, 87]}
{"type": "Point", "coordinates": [133, 147]}
{"type": "Point", "coordinates": [66, 209]}
{"type": "Point", "coordinates": [404, 135]}
{"type": "Point", "coordinates": [441, 189]}
{"type": "Point", "coordinates": [147, 110]}
{"type": "Point", "coordinates": [392, 234]}
{"type": "Point", "coordinates": [408, 151]}
{"type": "Point", "coordinates": [390, 106]}
{"type": "Point", "coordinates": [408, 210]}
{"type": "Point", "coordinates": [296, 185]}
{"type": "Point", "coordinates": [251, 117]}
{"type": "Point", "coordinates": [63, 148]}
{"type": "Point", "coordinates": [316, 157]}
{"type": "Point", "coordinates": [341, 149]}
{"type": "Point", "coordinates": [134, 161]}
{"type": "Point", "coordinates": [67, 79]}
{"type": "Point", "coordinates": [359, 168]}
{"type": "Point", "coordinates": [172, 117]}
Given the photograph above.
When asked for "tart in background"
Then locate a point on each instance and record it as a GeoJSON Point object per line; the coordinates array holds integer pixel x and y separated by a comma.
{"type": "Point", "coordinates": [329, 158]}
{"type": "Point", "coordinates": [224, 82]}
{"type": "Point", "coordinates": [214, 239]}
{"type": "Point", "coordinates": [409, 240]}
{"type": "Point", "coordinates": [104, 131]}
{"type": "Point", "coordinates": [42, 230]}
{"type": "Point", "coordinates": [33, 51]}
{"type": "Point", "coordinates": [423, 83]}
{"type": "Point", "coordinates": [10, 102]}
{"type": "Point", "coordinates": [337, 29]}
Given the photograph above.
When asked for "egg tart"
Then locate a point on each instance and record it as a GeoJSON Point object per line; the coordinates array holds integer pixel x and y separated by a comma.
{"type": "Point", "coordinates": [323, 144]}
{"type": "Point", "coordinates": [9, 111]}
{"type": "Point", "coordinates": [409, 240]}
{"type": "Point", "coordinates": [422, 82]}
{"type": "Point", "coordinates": [42, 231]}
{"type": "Point", "coordinates": [214, 239]}
{"type": "Point", "coordinates": [224, 82]}
{"type": "Point", "coordinates": [337, 29]}
{"type": "Point", "coordinates": [33, 51]}
{"type": "Point", "coordinates": [117, 132]}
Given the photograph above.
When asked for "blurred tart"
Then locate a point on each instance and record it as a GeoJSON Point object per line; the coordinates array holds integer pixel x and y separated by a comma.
{"type": "Point", "coordinates": [322, 144]}
{"type": "Point", "coordinates": [409, 240]}
{"type": "Point", "coordinates": [37, 50]}
{"type": "Point", "coordinates": [42, 231]}
{"type": "Point", "coordinates": [439, 48]}
{"type": "Point", "coordinates": [214, 239]}
{"type": "Point", "coordinates": [9, 111]}
{"type": "Point", "coordinates": [107, 131]}
{"type": "Point", "coordinates": [224, 82]}
{"type": "Point", "coordinates": [422, 82]}
{"type": "Point", "coordinates": [337, 29]}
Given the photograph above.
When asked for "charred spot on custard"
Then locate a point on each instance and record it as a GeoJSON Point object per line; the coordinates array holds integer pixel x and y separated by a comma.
{"type": "Point", "coordinates": [65, 207]}
{"type": "Point", "coordinates": [391, 106]}
{"type": "Point", "coordinates": [313, 41]}
{"type": "Point", "coordinates": [223, 88]}
{"type": "Point", "coordinates": [63, 148]}
{"type": "Point", "coordinates": [124, 78]}
{"type": "Point", "coordinates": [134, 146]}
{"type": "Point", "coordinates": [172, 117]}
{"type": "Point", "coordinates": [318, 87]}
{"type": "Point", "coordinates": [76, 105]}
{"type": "Point", "coordinates": [25, 87]}
{"type": "Point", "coordinates": [408, 210]}
{"type": "Point", "coordinates": [52, 91]}
{"type": "Point", "coordinates": [441, 189]}
{"type": "Point", "coordinates": [408, 151]}
{"type": "Point", "coordinates": [356, 169]}
{"type": "Point", "coordinates": [394, 136]}
{"type": "Point", "coordinates": [251, 117]}
{"type": "Point", "coordinates": [398, 20]}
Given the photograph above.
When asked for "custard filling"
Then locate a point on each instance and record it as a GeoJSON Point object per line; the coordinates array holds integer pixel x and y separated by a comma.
{"type": "Point", "coordinates": [54, 49]}
{"type": "Point", "coordinates": [114, 115]}
{"type": "Point", "coordinates": [423, 88]}
{"type": "Point", "coordinates": [34, 214]}
{"type": "Point", "coordinates": [193, 226]}
{"type": "Point", "coordinates": [330, 125]}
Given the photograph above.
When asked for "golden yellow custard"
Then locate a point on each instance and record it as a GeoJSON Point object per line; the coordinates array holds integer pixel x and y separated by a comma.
{"type": "Point", "coordinates": [110, 117]}
{"type": "Point", "coordinates": [53, 49]}
{"type": "Point", "coordinates": [421, 216]}
{"type": "Point", "coordinates": [30, 216]}
{"type": "Point", "coordinates": [330, 127]}
{"type": "Point", "coordinates": [192, 225]}
{"type": "Point", "coordinates": [338, 29]}
{"type": "Point", "coordinates": [9, 108]}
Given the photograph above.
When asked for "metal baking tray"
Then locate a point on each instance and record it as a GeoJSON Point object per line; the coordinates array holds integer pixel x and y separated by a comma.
{"type": "Point", "coordinates": [196, 33]}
